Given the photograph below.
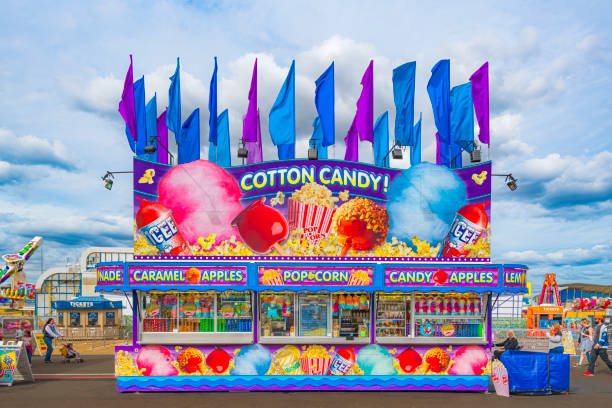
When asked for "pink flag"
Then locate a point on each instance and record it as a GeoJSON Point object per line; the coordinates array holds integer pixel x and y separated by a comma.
{"type": "Point", "coordinates": [480, 96]}
{"type": "Point", "coordinates": [352, 143]}
{"type": "Point", "coordinates": [365, 106]}
{"type": "Point", "coordinates": [126, 105]}
{"type": "Point", "coordinates": [162, 138]}
{"type": "Point", "coordinates": [251, 119]}
{"type": "Point", "coordinates": [254, 148]}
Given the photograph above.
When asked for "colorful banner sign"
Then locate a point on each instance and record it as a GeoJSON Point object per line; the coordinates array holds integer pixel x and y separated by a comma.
{"type": "Point", "coordinates": [316, 210]}
{"type": "Point", "coordinates": [515, 277]}
{"type": "Point", "coordinates": [110, 275]}
{"type": "Point", "coordinates": [443, 277]}
{"type": "Point", "coordinates": [315, 276]}
{"type": "Point", "coordinates": [40, 342]}
{"type": "Point", "coordinates": [201, 275]}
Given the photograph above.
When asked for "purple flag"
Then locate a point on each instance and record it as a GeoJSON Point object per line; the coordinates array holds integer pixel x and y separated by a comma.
{"type": "Point", "coordinates": [126, 105]}
{"type": "Point", "coordinates": [352, 143]}
{"type": "Point", "coordinates": [251, 119]}
{"type": "Point", "coordinates": [480, 96]}
{"type": "Point", "coordinates": [254, 147]}
{"type": "Point", "coordinates": [364, 118]}
{"type": "Point", "coordinates": [162, 138]}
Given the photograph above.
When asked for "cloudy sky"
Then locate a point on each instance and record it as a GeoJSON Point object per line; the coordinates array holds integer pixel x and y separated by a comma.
{"type": "Point", "coordinates": [63, 64]}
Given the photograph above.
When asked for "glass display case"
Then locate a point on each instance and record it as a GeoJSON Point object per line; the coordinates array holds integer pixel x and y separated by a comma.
{"type": "Point", "coordinates": [311, 318]}
{"type": "Point", "coordinates": [199, 317]}
{"type": "Point", "coordinates": [452, 318]}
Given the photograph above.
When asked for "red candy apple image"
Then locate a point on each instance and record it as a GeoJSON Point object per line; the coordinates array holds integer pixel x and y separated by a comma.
{"type": "Point", "coordinates": [409, 360]}
{"type": "Point", "coordinates": [262, 228]}
{"type": "Point", "coordinates": [440, 277]}
{"type": "Point", "coordinates": [218, 360]}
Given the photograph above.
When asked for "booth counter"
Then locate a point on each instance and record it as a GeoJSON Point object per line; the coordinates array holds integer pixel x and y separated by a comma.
{"type": "Point", "coordinates": [250, 326]}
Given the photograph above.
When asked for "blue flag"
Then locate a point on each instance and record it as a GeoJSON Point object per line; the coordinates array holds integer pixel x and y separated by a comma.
{"type": "Point", "coordinates": [212, 108]}
{"type": "Point", "coordinates": [462, 117]}
{"type": "Point", "coordinates": [324, 101]}
{"type": "Point", "coordinates": [189, 139]}
{"type": "Point", "coordinates": [381, 140]}
{"type": "Point", "coordinates": [130, 139]}
{"type": "Point", "coordinates": [173, 117]}
{"type": "Point", "coordinates": [415, 150]}
{"type": "Point", "coordinates": [317, 138]}
{"type": "Point", "coordinates": [151, 127]}
{"type": "Point", "coordinates": [141, 116]}
{"type": "Point", "coordinates": [438, 89]}
{"type": "Point", "coordinates": [223, 140]}
{"type": "Point", "coordinates": [403, 96]}
{"type": "Point", "coordinates": [282, 118]}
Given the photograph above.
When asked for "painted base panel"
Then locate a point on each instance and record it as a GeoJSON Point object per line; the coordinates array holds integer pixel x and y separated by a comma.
{"type": "Point", "coordinates": [305, 383]}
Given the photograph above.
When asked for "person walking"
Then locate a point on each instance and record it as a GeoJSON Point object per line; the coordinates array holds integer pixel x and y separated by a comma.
{"type": "Point", "coordinates": [50, 332]}
{"type": "Point", "coordinates": [511, 343]}
{"type": "Point", "coordinates": [600, 348]}
{"type": "Point", "coordinates": [555, 339]}
{"type": "Point", "coordinates": [585, 341]}
{"type": "Point", "coordinates": [27, 343]}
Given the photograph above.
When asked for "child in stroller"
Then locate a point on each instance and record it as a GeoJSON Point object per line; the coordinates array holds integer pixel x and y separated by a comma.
{"type": "Point", "coordinates": [70, 353]}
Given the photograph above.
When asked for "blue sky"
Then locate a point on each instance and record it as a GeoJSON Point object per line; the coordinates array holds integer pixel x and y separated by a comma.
{"type": "Point", "coordinates": [62, 66]}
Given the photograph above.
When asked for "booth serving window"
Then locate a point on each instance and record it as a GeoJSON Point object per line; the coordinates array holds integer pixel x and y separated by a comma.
{"type": "Point", "coordinates": [198, 316]}
{"type": "Point", "coordinates": [92, 318]}
{"type": "Point", "coordinates": [431, 317]}
{"type": "Point", "coordinates": [75, 319]}
{"type": "Point", "coordinates": [314, 317]}
{"type": "Point", "coordinates": [60, 318]}
{"type": "Point", "coordinates": [110, 318]}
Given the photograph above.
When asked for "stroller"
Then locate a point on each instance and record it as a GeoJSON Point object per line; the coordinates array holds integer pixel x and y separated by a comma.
{"type": "Point", "coordinates": [70, 354]}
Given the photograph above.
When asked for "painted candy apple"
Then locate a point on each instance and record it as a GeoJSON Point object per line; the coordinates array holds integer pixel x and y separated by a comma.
{"type": "Point", "coordinates": [436, 361]}
{"type": "Point", "coordinates": [191, 360]}
{"type": "Point", "coordinates": [409, 360]}
{"type": "Point", "coordinates": [156, 361]}
{"type": "Point", "coordinates": [261, 227]}
{"type": "Point", "coordinates": [469, 360]}
{"type": "Point", "coordinates": [192, 275]}
{"type": "Point", "coordinates": [440, 277]}
{"type": "Point", "coordinates": [218, 360]}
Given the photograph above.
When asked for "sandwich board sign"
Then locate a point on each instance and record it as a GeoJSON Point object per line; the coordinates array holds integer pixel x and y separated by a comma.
{"type": "Point", "coordinates": [14, 364]}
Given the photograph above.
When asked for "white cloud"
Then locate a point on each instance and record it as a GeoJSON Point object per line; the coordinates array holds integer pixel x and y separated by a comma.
{"type": "Point", "coordinates": [596, 254]}
{"type": "Point", "coordinates": [28, 149]}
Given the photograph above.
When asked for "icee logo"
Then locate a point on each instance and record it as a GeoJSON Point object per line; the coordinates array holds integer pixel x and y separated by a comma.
{"type": "Point", "coordinates": [464, 230]}
{"type": "Point", "coordinates": [160, 231]}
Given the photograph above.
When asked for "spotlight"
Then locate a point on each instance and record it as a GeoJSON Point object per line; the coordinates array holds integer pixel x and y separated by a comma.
{"type": "Point", "coordinates": [150, 148]}
{"type": "Point", "coordinates": [243, 153]}
{"type": "Point", "coordinates": [511, 182]}
{"type": "Point", "coordinates": [313, 154]}
{"type": "Point", "coordinates": [475, 156]}
{"type": "Point", "coordinates": [396, 153]}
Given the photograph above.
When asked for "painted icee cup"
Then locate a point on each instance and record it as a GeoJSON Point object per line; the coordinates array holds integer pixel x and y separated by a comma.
{"type": "Point", "coordinates": [314, 220]}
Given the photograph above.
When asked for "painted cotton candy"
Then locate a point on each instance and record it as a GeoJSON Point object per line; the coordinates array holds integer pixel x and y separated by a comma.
{"type": "Point", "coordinates": [156, 361]}
{"type": "Point", "coordinates": [423, 201]}
{"type": "Point", "coordinates": [375, 360]}
{"type": "Point", "coordinates": [204, 200]}
{"type": "Point", "coordinates": [469, 360]}
{"type": "Point", "coordinates": [252, 360]}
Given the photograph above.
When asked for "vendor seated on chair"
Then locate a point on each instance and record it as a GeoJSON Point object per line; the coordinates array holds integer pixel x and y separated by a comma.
{"type": "Point", "coordinates": [511, 343]}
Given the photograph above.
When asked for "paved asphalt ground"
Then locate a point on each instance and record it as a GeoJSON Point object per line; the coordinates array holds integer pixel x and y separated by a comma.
{"type": "Point", "coordinates": [91, 385]}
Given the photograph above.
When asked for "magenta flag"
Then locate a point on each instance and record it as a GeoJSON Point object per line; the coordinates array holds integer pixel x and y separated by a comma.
{"type": "Point", "coordinates": [364, 119]}
{"type": "Point", "coordinates": [162, 138]}
{"type": "Point", "coordinates": [352, 142]}
{"type": "Point", "coordinates": [480, 96]}
{"type": "Point", "coordinates": [438, 157]}
{"type": "Point", "coordinates": [127, 107]}
{"type": "Point", "coordinates": [254, 148]}
{"type": "Point", "coordinates": [251, 119]}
